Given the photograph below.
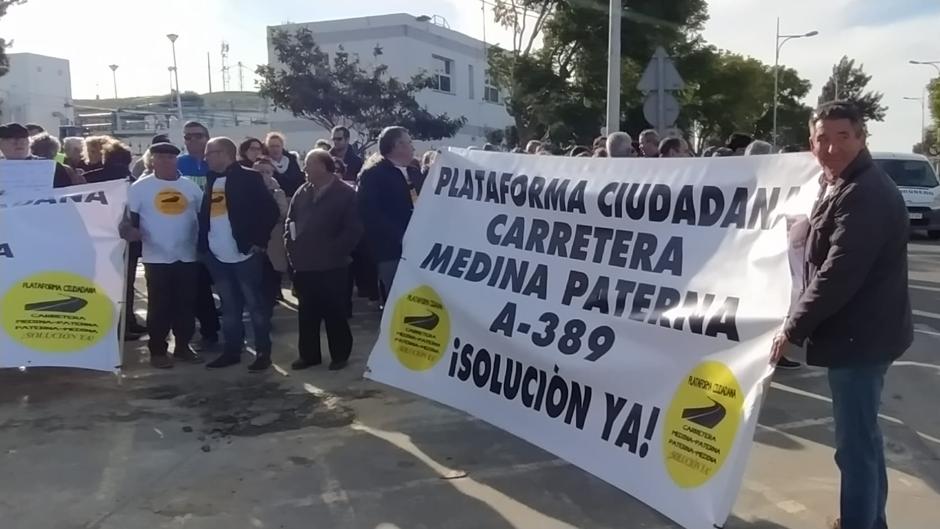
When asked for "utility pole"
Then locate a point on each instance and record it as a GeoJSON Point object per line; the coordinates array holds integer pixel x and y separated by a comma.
{"type": "Point", "coordinates": [613, 68]}
{"type": "Point", "coordinates": [241, 77]}
{"type": "Point", "coordinates": [209, 69]}
{"type": "Point", "coordinates": [176, 75]}
{"type": "Point", "coordinates": [114, 68]}
{"type": "Point", "coordinates": [225, 67]}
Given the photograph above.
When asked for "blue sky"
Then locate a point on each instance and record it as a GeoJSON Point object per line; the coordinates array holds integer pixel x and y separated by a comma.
{"type": "Point", "coordinates": [881, 34]}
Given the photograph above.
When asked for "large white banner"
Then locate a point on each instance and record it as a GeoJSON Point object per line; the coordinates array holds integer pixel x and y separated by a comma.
{"type": "Point", "coordinates": [616, 312]}
{"type": "Point", "coordinates": [62, 277]}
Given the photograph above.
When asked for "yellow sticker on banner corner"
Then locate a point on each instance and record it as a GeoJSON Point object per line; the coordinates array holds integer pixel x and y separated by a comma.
{"type": "Point", "coordinates": [56, 312]}
{"type": "Point", "coordinates": [701, 424]}
{"type": "Point", "coordinates": [169, 201]}
{"type": "Point", "coordinates": [420, 329]}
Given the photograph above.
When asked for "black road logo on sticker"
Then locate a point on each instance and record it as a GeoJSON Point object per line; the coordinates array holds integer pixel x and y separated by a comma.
{"type": "Point", "coordinates": [428, 322]}
{"type": "Point", "coordinates": [69, 305]}
{"type": "Point", "coordinates": [709, 416]}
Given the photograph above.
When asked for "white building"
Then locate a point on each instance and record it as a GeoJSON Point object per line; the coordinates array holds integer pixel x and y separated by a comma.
{"type": "Point", "coordinates": [409, 45]}
{"type": "Point", "coordinates": [37, 89]}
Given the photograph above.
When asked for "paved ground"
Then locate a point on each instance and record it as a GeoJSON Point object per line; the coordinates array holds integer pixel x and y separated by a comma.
{"type": "Point", "coordinates": [228, 450]}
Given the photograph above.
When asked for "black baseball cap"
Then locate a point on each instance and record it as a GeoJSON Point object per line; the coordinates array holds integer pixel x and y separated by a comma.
{"type": "Point", "coordinates": [164, 148]}
{"type": "Point", "coordinates": [13, 130]}
{"type": "Point", "coordinates": [160, 138]}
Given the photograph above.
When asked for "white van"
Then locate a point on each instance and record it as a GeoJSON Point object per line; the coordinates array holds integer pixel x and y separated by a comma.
{"type": "Point", "coordinates": [918, 183]}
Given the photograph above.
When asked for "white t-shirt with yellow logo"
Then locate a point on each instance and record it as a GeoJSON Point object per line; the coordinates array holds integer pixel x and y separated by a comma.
{"type": "Point", "coordinates": [169, 218]}
{"type": "Point", "coordinates": [221, 241]}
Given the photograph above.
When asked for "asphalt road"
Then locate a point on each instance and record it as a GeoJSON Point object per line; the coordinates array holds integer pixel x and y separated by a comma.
{"type": "Point", "coordinates": [229, 450]}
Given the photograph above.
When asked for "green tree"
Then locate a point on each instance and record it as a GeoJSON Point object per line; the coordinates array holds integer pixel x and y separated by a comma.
{"type": "Point", "coordinates": [341, 92]}
{"type": "Point", "coordinates": [932, 146]}
{"type": "Point", "coordinates": [4, 60]}
{"type": "Point", "coordinates": [933, 102]}
{"type": "Point", "coordinates": [852, 81]}
{"type": "Point", "coordinates": [726, 93]}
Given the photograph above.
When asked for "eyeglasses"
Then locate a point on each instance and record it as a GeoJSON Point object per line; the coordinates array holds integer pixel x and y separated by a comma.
{"type": "Point", "coordinates": [336, 140]}
{"type": "Point", "coordinates": [194, 136]}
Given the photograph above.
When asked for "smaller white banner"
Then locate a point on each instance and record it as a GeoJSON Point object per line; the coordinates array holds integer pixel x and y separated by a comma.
{"type": "Point", "coordinates": [26, 176]}
{"type": "Point", "coordinates": [62, 277]}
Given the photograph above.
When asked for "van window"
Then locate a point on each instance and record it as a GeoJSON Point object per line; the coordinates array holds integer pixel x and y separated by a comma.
{"type": "Point", "coordinates": [909, 173]}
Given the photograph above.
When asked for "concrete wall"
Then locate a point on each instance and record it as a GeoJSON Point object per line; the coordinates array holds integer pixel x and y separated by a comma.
{"type": "Point", "coordinates": [37, 89]}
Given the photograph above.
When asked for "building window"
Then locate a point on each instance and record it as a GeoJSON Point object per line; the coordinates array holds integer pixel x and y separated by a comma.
{"type": "Point", "coordinates": [443, 73]}
{"type": "Point", "coordinates": [470, 80]}
{"type": "Point", "coordinates": [490, 90]}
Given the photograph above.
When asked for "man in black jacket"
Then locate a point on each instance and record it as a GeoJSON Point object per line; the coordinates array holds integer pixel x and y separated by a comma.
{"type": "Point", "coordinates": [388, 188]}
{"type": "Point", "coordinates": [344, 151]}
{"type": "Point", "coordinates": [854, 314]}
{"type": "Point", "coordinates": [235, 223]}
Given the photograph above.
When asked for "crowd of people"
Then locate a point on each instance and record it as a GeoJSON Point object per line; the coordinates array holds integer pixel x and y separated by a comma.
{"type": "Point", "coordinates": [243, 221]}
{"type": "Point", "coordinates": [236, 219]}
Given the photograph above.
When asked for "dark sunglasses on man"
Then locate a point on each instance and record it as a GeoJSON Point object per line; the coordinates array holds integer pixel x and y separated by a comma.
{"type": "Point", "coordinates": [194, 136]}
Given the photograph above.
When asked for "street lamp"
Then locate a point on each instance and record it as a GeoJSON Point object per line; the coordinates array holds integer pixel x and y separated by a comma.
{"type": "Point", "coordinates": [935, 64]}
{"type": "Point", "coordinates": [781, 40]}
{"type": "Point", "coordinates": [171, 70]}
{"type": "Point", "coordinates": [179, 99]}
{"type": "Point", "coordinates": [114, 68]}
{"type": "Point", "coordinates": [923, 114]}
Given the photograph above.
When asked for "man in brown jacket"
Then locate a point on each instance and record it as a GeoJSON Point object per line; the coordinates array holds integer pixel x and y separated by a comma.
{"type": "Point", "coordinates": [323, 228]}
{"type": "Point", "coordinates": [854, 314]}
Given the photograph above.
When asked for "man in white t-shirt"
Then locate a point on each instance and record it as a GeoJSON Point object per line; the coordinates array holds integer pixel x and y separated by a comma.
{"type": "Point", "coordinates": [164, 209]}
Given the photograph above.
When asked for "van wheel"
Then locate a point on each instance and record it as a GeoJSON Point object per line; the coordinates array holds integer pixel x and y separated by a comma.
{"type": "Point", "coordinates": [933, 234]}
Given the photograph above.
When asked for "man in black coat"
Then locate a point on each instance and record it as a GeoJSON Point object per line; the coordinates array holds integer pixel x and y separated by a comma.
{"type": "Point", "coordinates": [344, 151]}
{"type": "Point", "coordinates": [235, 223]}
{"type": "Point", "coordinates": [854, 315]}
{"type": "Point", "coordinates": [388, 189]}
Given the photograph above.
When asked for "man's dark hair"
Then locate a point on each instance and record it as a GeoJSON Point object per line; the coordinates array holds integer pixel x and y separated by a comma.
{"type": "Point", "coordinates": [245, 145]}
{"type": "Point", "coordinates": [668, 145]}
{"type": "Point", "coordinates": [342, 129]}
{"type": "Point", "coordinates": [194, 124]}
{"type": "Point", "coordinates": [116, 153]}
{"type": "Point", "coordinates": [839, 110]}
{"type": "Point", "coordinates": [389, 137]}
{"type": "Point", "coordinates": [739, 140]}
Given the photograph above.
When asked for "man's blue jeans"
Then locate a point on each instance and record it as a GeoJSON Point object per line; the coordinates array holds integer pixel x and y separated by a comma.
{"type": "Point", "coordinates": [240, 287]}
{"type": "Point", "coordinates": [856, 397]}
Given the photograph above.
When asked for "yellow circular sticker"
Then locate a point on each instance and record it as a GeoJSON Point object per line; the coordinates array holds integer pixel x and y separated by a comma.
{"type": "Point", "coordinates": [219, 206]}
{"type": "Point", "coordinates": [701, 424]}
{"type": "Point", "coordinates": [56, 312]}
{"type": "Point", "coordinates": [420, 329]}
{"type": "Point", "coordinates": [169, 201]}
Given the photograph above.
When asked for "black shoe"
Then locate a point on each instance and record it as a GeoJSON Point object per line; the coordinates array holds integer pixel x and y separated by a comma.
{"type": "Point", "coordinates": [187, 355]}
{"type": "Point", "coordinates": [336, 366]}
{"type": "Point", "coordinates": [207, 344]}
{"type": "Point", "coordinates": [224, 361]}
{"type": "Point", "coordinates": [300, 364]}
{"type": "Point", "coordinates": [786, 363]}
{"type": "Point", "coordinates": [161, 362]}
{"type": "Point", "coordinates": [261, 363]}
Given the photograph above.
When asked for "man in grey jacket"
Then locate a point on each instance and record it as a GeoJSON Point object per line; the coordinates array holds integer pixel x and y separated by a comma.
{"type": "Point", "coordinates": [323, 228]}
{"type": "Point", "coordinates": [854, 315]}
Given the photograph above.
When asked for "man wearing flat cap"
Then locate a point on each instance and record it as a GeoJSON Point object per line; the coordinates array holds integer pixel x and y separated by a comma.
{"type": "Point", "coordinates": [164, 211]}
{"type": "Point", "coordinates": [14, 144]}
